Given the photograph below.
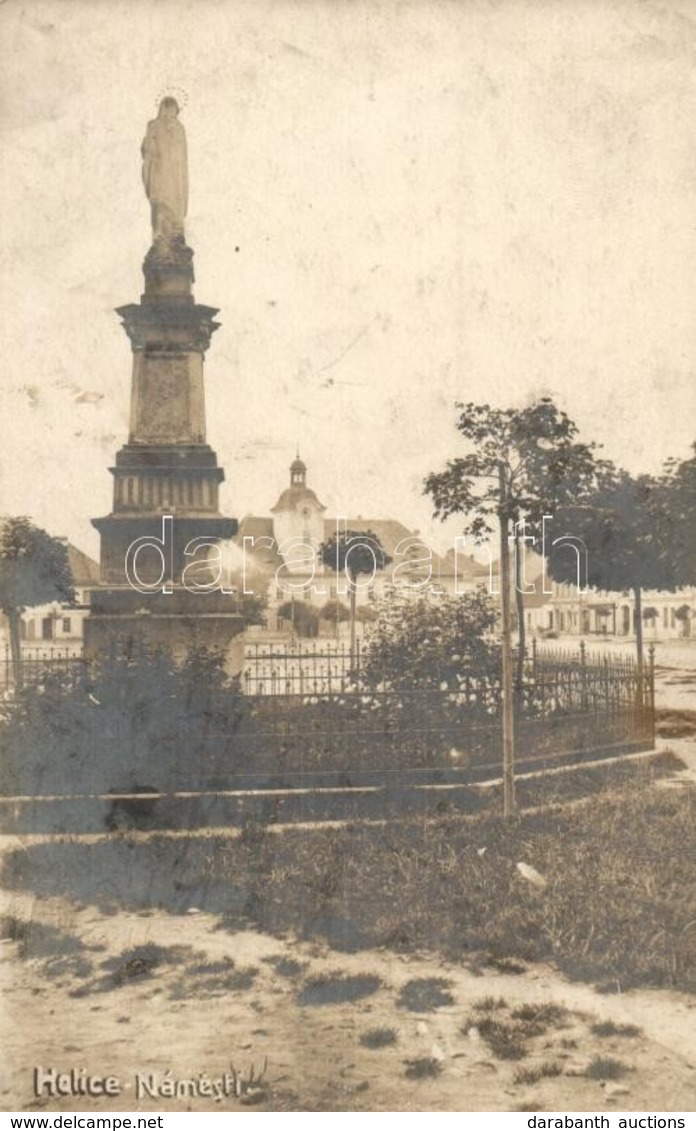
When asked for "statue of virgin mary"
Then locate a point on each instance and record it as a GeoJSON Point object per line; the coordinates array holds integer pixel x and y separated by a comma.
{"type": "Point", "coordinates": [165, 173]}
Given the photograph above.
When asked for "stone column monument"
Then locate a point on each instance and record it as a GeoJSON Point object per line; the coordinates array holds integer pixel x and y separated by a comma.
{"type": "Point", "coordinates": [156, 588]}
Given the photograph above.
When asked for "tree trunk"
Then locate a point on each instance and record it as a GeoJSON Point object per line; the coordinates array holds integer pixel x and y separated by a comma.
{"type": "Point", "coordinates": [14, 619]}
{"type": "Point", "coordinates": [353, 595]}
{"type": "Point", "coordinates": [638, 619]}
{"type": "Point", "coordinates": [508, 710]}
{"type": "Point", "coordinates": [519, 604]}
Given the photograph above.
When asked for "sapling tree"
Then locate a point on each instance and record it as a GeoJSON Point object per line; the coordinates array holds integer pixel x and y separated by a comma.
{"type": "Point", "coordinates": [353, 554]}
{"type": "Point", "coordinates": [34, 570]}
{"type": "Point", "coordinates": [520, 464]}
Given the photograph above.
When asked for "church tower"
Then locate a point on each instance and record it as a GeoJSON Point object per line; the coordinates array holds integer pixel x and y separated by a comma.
{"type": "Point", "coordinates": [298, 516]}
{"type": "Point", "coordinates": [156, 584]}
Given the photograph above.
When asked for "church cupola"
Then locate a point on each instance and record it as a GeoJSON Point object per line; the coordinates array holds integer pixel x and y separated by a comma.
{"type": "Point", "coordinates": [298, 473]}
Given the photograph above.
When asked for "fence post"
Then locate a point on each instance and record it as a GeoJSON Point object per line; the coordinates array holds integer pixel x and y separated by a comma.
{"type": "Point", "coordinates": [583, 676]}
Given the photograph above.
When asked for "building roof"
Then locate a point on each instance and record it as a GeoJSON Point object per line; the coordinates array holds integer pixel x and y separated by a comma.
{"type": "Point", "coordinates": [292, 498]}
{"type": "Point", "coordinates": [389, 531]}
{"type": "Point", "coordinates": [264, 555]}
{"type": "Point", "coordinates": [463, 565]}
{"type": "Point", "coordinates": [85, 570]}
{"type": "Point", "coordinates": [254, 526]}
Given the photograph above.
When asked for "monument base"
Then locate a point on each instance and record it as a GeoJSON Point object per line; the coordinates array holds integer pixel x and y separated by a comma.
{"type": "Point", "coordinates": [125, 623]}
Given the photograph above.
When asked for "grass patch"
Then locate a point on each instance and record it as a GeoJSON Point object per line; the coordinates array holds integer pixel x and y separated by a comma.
{"type": "Point", "coordinates": [39, 940]}
{"type": "Point", "coordinates": [207, 969]}
{"type": "Point", "coordinates": [505, 1039]}
{"type": "Point", "coordinates": [336, 988]}
{"type": "Point", "coordinates": [422, 1068]}
{"type": "Point", "coordinates": [378, 1038]}
{"type": "Point", "coordinates": [72, 965]}
{"type": "Point", "coordinates": [606, 1068]}
{"type": "Point", "coordinates": [137, 963]}
{"type": "Point", "coordinates": [611, 1029]}
{"type": "Point", "coordinates": [675, 724]}
{"type": "Point", "coordinates": [425, 995]}
{"type": "Point", "coordinates": [214, 979]}
{"type": "Point", "coordinates": [618, 909]}
{"type": "Point", "coordinates": [533, 1075]}
{"type": "Point", "coordinates": [541, 1015]}
{"type": "Point", "coordinates": [286, 967]}
{"type": "Point", "coordinates": [141, 961]}
{"type": "Point", "coordinates": [506, 965]}
{"type": "Point", "coordinates": [667, 762]}
{"type": "Point", "coordinates": [488, 1004]}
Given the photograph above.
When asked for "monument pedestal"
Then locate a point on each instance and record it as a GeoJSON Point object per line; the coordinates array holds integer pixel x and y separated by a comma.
{"type": "Point", "coordinates": [165, 470]}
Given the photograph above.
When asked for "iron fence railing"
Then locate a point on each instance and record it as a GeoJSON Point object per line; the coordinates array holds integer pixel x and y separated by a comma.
{"type": "Point", "coordinates": [37, 662]}
{"type": "Point", "coordinates": [567, 706]}
{"type": "Point", "coordinates": [316, 667]}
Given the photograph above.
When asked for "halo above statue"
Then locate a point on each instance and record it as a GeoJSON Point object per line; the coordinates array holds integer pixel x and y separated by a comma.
{"type": "Point", "coordinates": [176, 92]}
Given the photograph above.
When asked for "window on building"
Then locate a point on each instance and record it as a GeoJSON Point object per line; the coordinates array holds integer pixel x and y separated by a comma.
{"type": "Point", "coordinates": [665, 617]}
{"type": "Point", "coordinates": [67, 624]}
{"type": "Point", "coordinates": [47, 628]}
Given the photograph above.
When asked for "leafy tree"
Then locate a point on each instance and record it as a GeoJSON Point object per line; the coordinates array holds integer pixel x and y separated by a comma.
{"type": "Point", "coordinates": [253, 607]}
{"type": "Point", "coordinates": [625, 524]}
{"type": "Point", "coordinates": [34, 570]}
{"type": "Point", "coordinates": [303, 618]}
{"type": "Point", "coordinates": [249, 596]}
{"type": "Point", "coordinates": [677, 491]}
{"type": "Point", "coordinates": [683, 615]}
{"type": "Point", "coordinates": [523, 464]}
{"type": "Point", "coordinates": [354, 553]}
{"type": "Point", "coordinates": [336, 612]}
{"type": "Point", "coordinates": [430, 642]}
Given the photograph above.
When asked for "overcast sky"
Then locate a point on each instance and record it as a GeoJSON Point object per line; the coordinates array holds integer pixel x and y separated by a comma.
{"type": "Point", "coordinates": [395, 206]}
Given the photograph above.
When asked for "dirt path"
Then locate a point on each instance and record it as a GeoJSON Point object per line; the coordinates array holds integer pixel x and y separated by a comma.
{"type": "Point", "coordinates": [146, 993]}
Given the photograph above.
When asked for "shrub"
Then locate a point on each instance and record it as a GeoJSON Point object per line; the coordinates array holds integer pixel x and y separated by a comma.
{"type": "Point", "coordinates": [417, 642]}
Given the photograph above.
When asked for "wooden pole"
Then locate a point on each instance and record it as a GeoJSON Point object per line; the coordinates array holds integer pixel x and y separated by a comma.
{"type": "Point", "coordinates": [638, 624]}
{"type": "Point", "coordinates": [352, 620]}
{"type": "Point", "coordinates": [508, 712]}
